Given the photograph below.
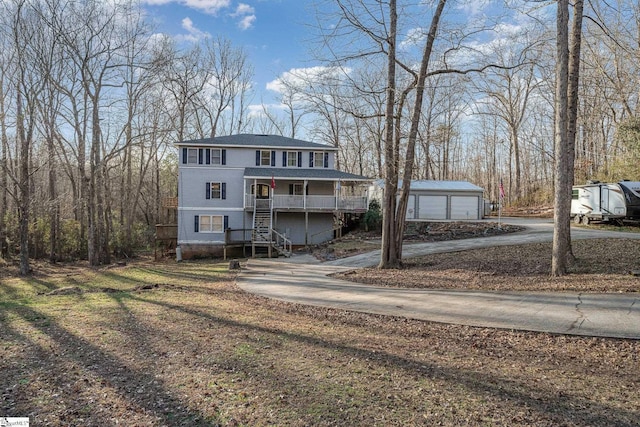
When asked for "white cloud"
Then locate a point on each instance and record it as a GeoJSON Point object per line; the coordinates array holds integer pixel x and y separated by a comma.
{"type": "Point", "coordinates": [301, 77]}
{"type": "Point", "coordinates": [247, 22]}
{"type": "Point", "coordinates": [211, 7]}
{"type": "Point", "coordinates": [246, 14]}
{"type": "Point", "coordinates": [193, 34]}
{"type": "Point", "coordinates": [474, 7]}
{"type": "Point", "coordinates": [258, 110]}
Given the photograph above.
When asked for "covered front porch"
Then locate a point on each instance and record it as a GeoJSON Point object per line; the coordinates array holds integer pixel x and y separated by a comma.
{"type": "Point", "coordinates": [287, 190]}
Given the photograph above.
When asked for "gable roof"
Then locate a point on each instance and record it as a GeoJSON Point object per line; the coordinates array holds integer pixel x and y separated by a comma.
{"type": "Point", "coordinates": [303, 173]}
{"type": "Point", "coordinates": [257, 141]}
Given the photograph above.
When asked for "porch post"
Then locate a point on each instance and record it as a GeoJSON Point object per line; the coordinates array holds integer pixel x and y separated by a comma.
{"type": "Point", "coordinates": [304, 194]}
{"type": "Point", "coordinates": [306, 228]}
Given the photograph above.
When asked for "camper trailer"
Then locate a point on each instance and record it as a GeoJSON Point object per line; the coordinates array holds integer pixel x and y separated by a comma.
{"type": "Point", "coordinates": [599, 201]}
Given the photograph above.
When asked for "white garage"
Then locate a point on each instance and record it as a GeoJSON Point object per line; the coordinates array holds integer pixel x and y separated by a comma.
{"type": "Point", "coordinates": [440, 200]}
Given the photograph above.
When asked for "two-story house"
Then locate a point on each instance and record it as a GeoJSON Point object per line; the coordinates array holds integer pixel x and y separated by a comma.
{"type": "Point", "coordinates": [261, 191]}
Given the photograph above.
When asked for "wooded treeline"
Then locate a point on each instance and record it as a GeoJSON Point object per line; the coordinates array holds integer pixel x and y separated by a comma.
{"type": "Point", "coordinates": [92, 99]}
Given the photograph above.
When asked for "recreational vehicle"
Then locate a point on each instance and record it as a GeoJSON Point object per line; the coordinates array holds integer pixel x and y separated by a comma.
{"type": "Point", "coordinates": [599, 201]}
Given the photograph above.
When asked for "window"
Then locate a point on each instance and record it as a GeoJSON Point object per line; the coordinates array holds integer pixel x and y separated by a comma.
{"type": "Point", "coordinates": [216, 190]}
{"type": "Point", "coordinates": [295, 189]}
{"type": "Point", "coordinates": [265, 158]}
{"type": "Point", "coordinates": [211, 223]}
{"type": "Point", "coordinates": [318, 159]}
{"type": "Point", "coordinates": [216, 157]}
{"type": "Point", "coordinates": [192, 156]}
{"type": "Point", "coordinates": [574, 194]}
{"type": "Point", "coordinates": [292, 158]}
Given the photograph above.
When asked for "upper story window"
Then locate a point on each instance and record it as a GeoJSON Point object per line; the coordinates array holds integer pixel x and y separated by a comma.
{"type": "Point", "coordinates": [204, 156]}
{"type": "Point", "coordinates": [216, 157]}
{"type": "Point", "coordinates": [318, 159]}
{"type": "Point", "coordinates": [292, 158]}
{"type": "Point", "coordinates": [265, 158]}
{"type": "Point", "coordinates": [192, 156]}
{"type": "Point", "coordinates": [216, 190]}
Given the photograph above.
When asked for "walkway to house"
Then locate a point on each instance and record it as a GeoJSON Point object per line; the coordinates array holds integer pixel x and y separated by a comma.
{"type": "Point", "coordinates": [302, 279]}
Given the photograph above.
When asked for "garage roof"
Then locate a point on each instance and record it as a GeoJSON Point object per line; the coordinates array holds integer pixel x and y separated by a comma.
{"type": "Point", "coordinates": [438, 185]}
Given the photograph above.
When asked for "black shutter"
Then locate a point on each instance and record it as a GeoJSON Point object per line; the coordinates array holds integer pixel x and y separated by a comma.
{"type": "Point", "coordinates": [208, 191]}
{"type": "Point", "coordinates": [326, 160]}
{"type": "Point", "coordinates": [273, 158]}
{"type": "Point", "coordinates": [290, 189]}
{"type": "Point", "coordinates": [200, 155]}
{"type": "Point", "coordinates": [207, 156]}
{"type": "Point", "coordinates": [224, 157]}
{"type": "Point", "coordinates": [299, 159]}
{"type": "Point", "coordinates": [311, 159]}
{"type": "Point", "coordinates": [184, 156]}
{"type": "Point", "coordinates": [284, 159]}
{"type": "Point", "coordinates": [196, 223]}
{"type": "Point", "coordinates": [226, 222]}
{"type": "Point", "coordinates": [257, 157]}
{"type": "Point", "coordinates": [223, 190]}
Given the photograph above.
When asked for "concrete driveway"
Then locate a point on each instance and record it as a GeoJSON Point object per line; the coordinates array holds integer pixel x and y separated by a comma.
{"type": "Point", "coordinates": [302, 279]}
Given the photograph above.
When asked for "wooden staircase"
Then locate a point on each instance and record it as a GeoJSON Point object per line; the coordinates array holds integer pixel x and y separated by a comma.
{"type": "Point", "coordinates": [263, 235]}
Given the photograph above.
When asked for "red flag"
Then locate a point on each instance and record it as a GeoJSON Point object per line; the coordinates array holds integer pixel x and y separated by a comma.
{"type": "Point", "coordinates": [501, 190]}
{"type": "Point", "coordinates": [273, 183]}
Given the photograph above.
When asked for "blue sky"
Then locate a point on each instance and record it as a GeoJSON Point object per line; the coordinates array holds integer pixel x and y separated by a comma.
{"type": "Point", "coordinates": [273, 33]}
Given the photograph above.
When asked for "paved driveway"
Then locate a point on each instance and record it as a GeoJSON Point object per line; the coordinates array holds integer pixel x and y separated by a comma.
{"type": "Point", "coordinates": [304, 280]}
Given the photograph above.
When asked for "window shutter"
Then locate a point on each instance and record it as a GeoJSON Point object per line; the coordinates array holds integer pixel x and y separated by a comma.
{"type": "Point", "coordinates": [224, 157]}
{"type": "Point", "coordinates": [184, 156]}
{"type": "Point", "coordinates": [257, 157]}
{"type": "Point", "coordinates": [326, 160]}
{"type": "Point", "coordinates": [200, 155]}
{"type": "Point", "coordinates": [207, 156]}
{"type": "Point", "coordinates": [290, 189]}
{"type": "Point", "coordinates": [207, 190]}
{"type": "Point", "coordinates": [226, 222]}
{"type": "Point", "coordinates": [196, 223]}
{"type": "Point", "coordinates": [223, 190]}
{"type": "Point", "coordinates": [284, 159]}
{"type": "Point", "coordinates": [273, 158]}
{"type": "Point", "coordinates": [311, 159]}
{"type": "Point", "coordinates": [299, 159]}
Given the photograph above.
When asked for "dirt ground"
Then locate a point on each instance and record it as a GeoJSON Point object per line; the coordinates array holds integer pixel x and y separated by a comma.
{"type": "Point", "coordinates": [599, 265]}
{"type": "Point", "coordinates": [179, 344]}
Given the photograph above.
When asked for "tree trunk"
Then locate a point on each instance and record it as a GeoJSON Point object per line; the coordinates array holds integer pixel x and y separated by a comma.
{"type": "Point", "coordinates": [388, 256]}
{"type": "Point", "coordinates": [413, 132]}
{"type": "Point", "coordinates": [562, 202]}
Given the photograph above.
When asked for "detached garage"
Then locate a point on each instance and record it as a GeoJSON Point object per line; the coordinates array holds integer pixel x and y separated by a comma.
{"type": "Point", "coordinates": [441, 200]}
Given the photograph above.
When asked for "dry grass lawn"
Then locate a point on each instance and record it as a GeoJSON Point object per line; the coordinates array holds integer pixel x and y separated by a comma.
{"type": "Point", "coordinates": [166, 344]}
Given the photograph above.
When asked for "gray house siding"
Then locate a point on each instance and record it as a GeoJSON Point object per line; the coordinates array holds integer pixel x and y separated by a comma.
{"type": "Point", "coordinates": [292, 225]}
{"type": "Point", "coordinates": [215, 179]}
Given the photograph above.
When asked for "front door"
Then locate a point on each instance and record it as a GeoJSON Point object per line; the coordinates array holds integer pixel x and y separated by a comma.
{"type": "Point", "coordinates": [263, 191]}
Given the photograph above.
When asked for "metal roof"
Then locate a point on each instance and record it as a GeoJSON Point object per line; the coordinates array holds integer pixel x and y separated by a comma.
{"type": "Point", "coordinates": [437, 185]}
{"type": "Point", "coordinates": [253, 140]}
{"type": "Point", "coordinates": [302, 173]}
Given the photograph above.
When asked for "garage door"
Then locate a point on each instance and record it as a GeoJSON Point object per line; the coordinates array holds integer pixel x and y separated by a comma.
{"type": "Point", "coordinates": [411, 207]}
{"type": "Point", "coordinates": [432, 207]}
{"type": "Point", "coordinates": [464, 207]}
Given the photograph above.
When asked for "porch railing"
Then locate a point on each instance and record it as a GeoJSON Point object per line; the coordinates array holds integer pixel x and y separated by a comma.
{"type": "Point", "coordinates": [285, 201]}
